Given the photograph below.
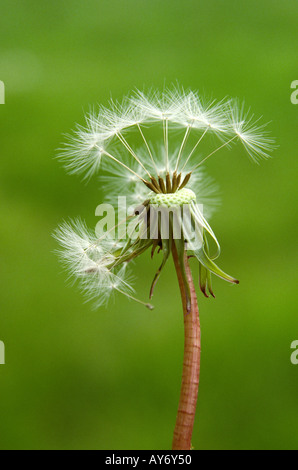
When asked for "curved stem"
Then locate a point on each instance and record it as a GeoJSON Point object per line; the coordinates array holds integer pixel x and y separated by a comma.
{"type": "Point", "coordinates": [191, 363]}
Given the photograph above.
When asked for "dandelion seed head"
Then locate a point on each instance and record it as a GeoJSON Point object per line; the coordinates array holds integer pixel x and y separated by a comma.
{"type": "Point", "coordinates": [137, 149]}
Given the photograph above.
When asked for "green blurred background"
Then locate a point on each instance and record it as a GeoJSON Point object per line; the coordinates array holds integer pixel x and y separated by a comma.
{"type": "Point", "coordinates": [110, 379]}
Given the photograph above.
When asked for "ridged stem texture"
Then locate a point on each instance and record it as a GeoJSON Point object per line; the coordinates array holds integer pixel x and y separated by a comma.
{"type": "Point", "coordinates": [191, 361]}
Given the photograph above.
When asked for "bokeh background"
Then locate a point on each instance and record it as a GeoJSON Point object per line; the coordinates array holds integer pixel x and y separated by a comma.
{"type": "Point", "coordinates": [110, 379]}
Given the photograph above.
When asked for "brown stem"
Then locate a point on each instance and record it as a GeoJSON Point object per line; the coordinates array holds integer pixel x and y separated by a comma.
{"type": "Point", "coordinates": [191, 363]}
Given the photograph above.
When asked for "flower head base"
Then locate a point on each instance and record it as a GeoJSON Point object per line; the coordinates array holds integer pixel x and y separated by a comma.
{"type": "Point", "coordinates": [166, 187]}
{"type": "Point", "coordinates": [180, 197]}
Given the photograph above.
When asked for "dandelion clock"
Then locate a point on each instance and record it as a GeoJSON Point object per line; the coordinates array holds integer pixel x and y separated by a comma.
{"type": "Point", "coordinates": [151, 148]}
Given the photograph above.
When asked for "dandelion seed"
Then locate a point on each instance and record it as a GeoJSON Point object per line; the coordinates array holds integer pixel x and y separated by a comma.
{"type": "Point", "coordinates": [253, 135]}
